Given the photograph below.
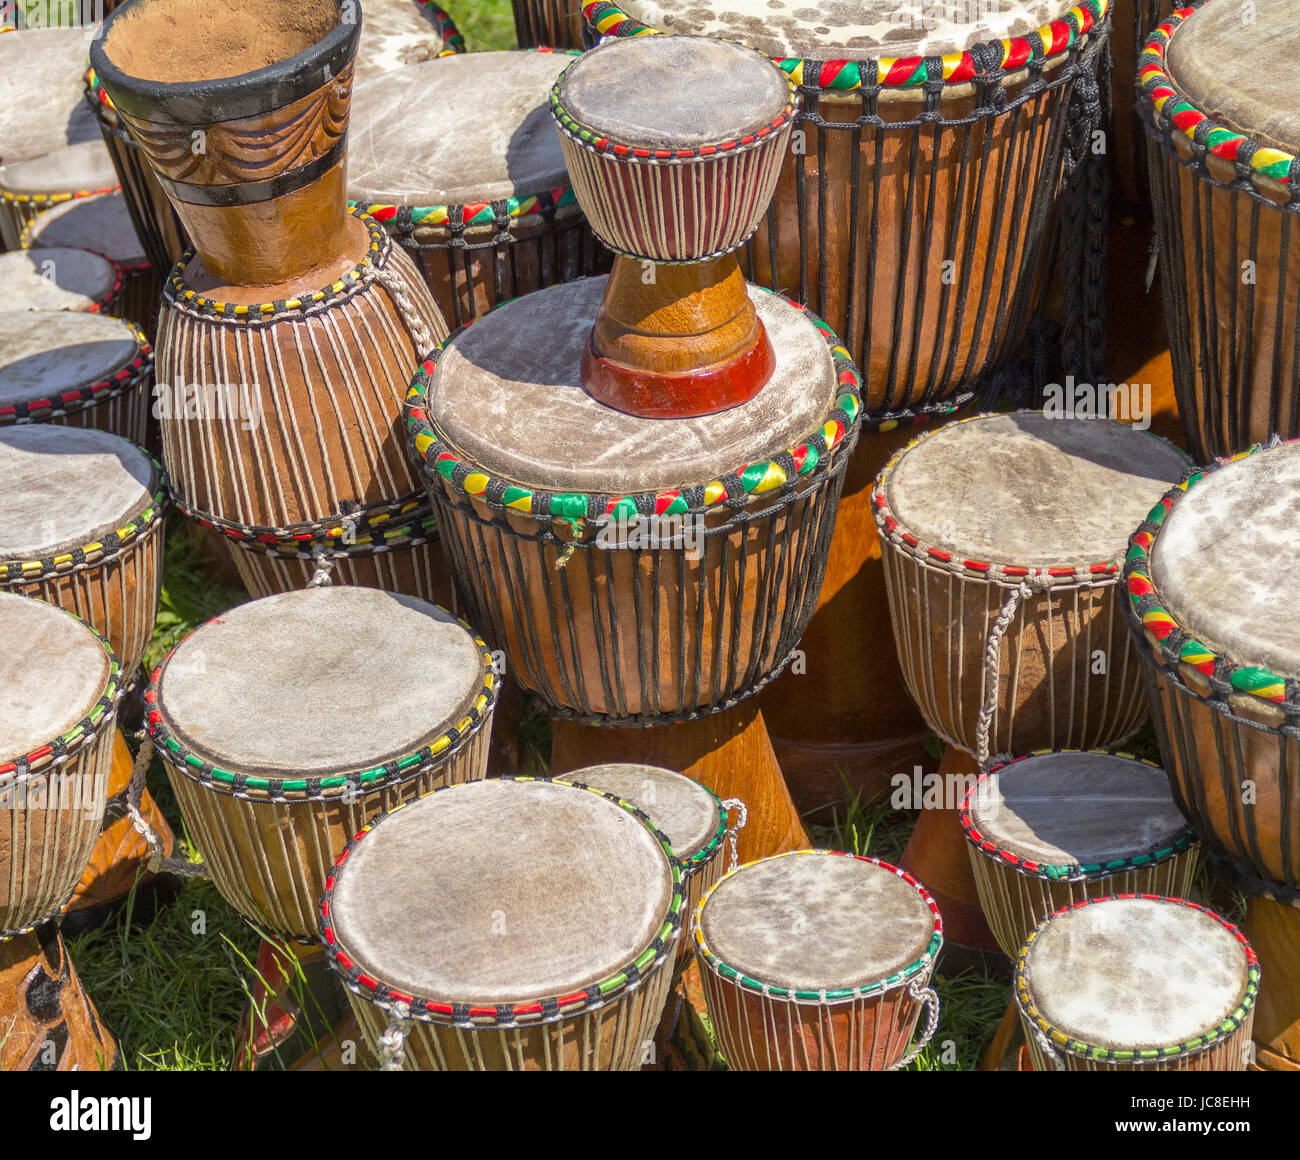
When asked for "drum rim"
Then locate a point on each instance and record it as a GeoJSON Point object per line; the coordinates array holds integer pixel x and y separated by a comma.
{"type": "Point", "coordinates": [48, 199]}
{"type": "Point", "coordinates": [99, 305]}
{"type": "Point", "coordinates": [1156, 627]}
{"type": "Point", "coordinates": [441, 462]}
{"type": "Point", "coordinates": [539, 1012]}
{"type": "Point", "coordinates": [1184, 840]}
{"type": "Point", "coordinates": [102, 713]}
{"type": "Point", "coordinates": [100, 551]}
{"type": "Point", "coordinates": [593, 140]}
{"type": "Point", "coordinates": [910, 72]}
{"type": "Point", "coordinates": [125, 265]}
{"type": "Point", "coordinates": [1098, 573]}
{"type": "Point", "coordinates": [729, 974]}
{"type": "Point", "coordinates": [1211, 1037]}
{"type": "Point", "coordinates": [439, 748]}
{"type": "Point", "coordinates": [127, 377]}
{"type": "Point", "coordinates": [1172, 112]}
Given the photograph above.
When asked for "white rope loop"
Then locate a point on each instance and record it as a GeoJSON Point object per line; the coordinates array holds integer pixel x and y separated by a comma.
{"type": "Point", "coordinates": [733, 832]}
{"type": "Point", "coordinates": [992, 664]}
{"type": "Point", "coordinates": [159, 863]}
{"type": "Point", "coordinates": [322, 577]}
{"type": "Point", "coordinates": [392, 1041]}
{"type": "Point", "coordinates": [920, 990]}
{"type": "Point", "coordinates": [1049, 1052]}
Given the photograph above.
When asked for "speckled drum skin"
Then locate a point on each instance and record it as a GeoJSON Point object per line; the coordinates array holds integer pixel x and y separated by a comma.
{"type": "Point", "coordinates": [288, 722]}
{"type": "Point", "coordinates": [971, 511]}
{"type": "Point", "coordinates": [40, 92]}
{"type": "Point", "coordinates": [28, 187]}
{"type": "Point", "coordinates": [60, 278]}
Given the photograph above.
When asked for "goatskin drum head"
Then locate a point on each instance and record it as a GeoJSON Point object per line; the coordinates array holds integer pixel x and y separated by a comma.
{"type": "Point", "coordinates": [686, 812]}
{"type": "Point", "coordinates": [101, 223]}
{"type": "Point", "coordinates": [79, 168]}
{"type": "Point", "coordinates": [42, 106]}
{"type": "Point", "coordinates": [55, 279]}
{"type": "Point", "coordinates": [46, 352]}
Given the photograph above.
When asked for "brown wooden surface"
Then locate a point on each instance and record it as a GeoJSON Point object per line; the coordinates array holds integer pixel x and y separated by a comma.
{"type": "Point", "coordinates": [729, 752]}
{"type": "Point", "coordinates": [1274, 932]}
{"type": "Point", "coordinates": [555, 23]}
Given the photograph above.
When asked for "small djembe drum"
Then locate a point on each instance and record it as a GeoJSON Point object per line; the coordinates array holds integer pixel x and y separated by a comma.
{"type": "Point", "coordinates": [549, 23]}
{"type": "Point", "coordinates": [636, 511]}
{"type": "Point", "coordinates": [56, 746]}
{"type": "Point", "coordinates": [1002, 538]}
{"type": "Point", "coordinates": [549, 952]}
{"type": "Point", "coordinates": [690, 815]}
{"type": "Point", "coordinates": [59, 279]}
{"type": "Point", "coordinates": [1226, 183]}
{"type": "Point", "coordinates": [1137, 983]}
{"type": "Point", "coordinates": [81, 370]}
{"type": "Point", "coordinates": [295, 324]}
{"type": "Point", "coordinates": [255, 715]}
{"type": "Point", "coordinates": [40, 92]}
{"type": "Point", "coordinates": [818, 961]}
{"type": "Point", "coordinates": [29, 187]}
{"type": "Point", "coordinates": [483, 205]}
{"type": "Point", "coordinates": [1220, 662]}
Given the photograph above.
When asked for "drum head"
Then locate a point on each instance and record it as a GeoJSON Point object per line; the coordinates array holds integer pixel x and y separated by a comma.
{"type": "Point", "coordinates": [815, 921]}
{"type": "Point", "coordinates": [501, 891]}
{"type": "Point", "coordinates": [465, 129]}
{"type": "Point", "coordinates": [1031, 490]}
{"type": "Point", "coordinates": [77, 168]}
{"type": "Point", "coordinates": [1130, 974]}
{"type": "Point", "coordinates": [66, 487]}
{"type": "Point", "coordinates": [1078, 809]}
{"type": "Point", "coordinates": [101, 223]}
{"type": "Point", "coordinates": [1225, 562]}
{"type": "Point", "coordinates": [320, 681]}
{"type": "Point", "coordinates": [507, 392]}
{"type": "Point", "coordinates": [53, 670]}
{"type": "Point", "coordinates": [55, 279]}
{"type": "Point", "coordinates": [1231, 71]}
{"type": "Point", "coordinates": [394, 35]}
{"type": "Point", "coordinates": [46, 352]}
{"type": "Point", "coordinates": [41, 102]}
{"type": "Point", "coordinates": [688, 814]}
{"type": "Point", "coordinates": [662, 92]}
{"type": "Point", "coordinates": [849, 29]}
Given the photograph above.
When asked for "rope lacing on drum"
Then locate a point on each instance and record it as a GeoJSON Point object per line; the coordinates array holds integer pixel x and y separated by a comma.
{"type": "Point", "coordinates": [159, 863]}
{"type": "Point", "coordinates": [733, 832]}
{"type": "Point", "coordinates": [992, 665]}
{"type": "Point", "coordinates": [1049, 1052]}
{"type": "Point", "coordinates": [321, 577]}
{"type": "Point", "coordinates": [392, 1040]}
{"type": "Point", "coordinates": [392, 280]}
{"type": "Point", "coordinates": [921, 991]}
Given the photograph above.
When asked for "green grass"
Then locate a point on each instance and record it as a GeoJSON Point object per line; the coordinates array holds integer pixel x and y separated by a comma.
{"type": "Point", "coordinates": [488, 25]}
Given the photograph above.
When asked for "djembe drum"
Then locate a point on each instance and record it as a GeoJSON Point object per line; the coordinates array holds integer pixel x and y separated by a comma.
{"type": "Point", "coordinates": [56, 745]}
{"type": "Point", "coordinates": [40, 92]}
{"type": "Point", "coordinates": [59, 279]}
{"type": "Point", "coordinates": [295, 325]}
{"type": "Point", "coordinates": [1002, 538]}
{"type": "Point", "coordinates": [642, 556]}
{"type": "Point", "coordinates": [81, 370]}
{"type": "Point", "coordinates": [818, 961]}
{"type": "Point", "coordinates": [1226, 183]}
{"type": "Point", "coordinates": [1212, 603]}
{"type": "Point", "coordinates": [459, 160]}
{"type": "Point", "coordinates": [552, 951]}
{"type": "Point", "coordinates": [29, 187]}
{"type": "Point", "coordinates": [1137, 983]}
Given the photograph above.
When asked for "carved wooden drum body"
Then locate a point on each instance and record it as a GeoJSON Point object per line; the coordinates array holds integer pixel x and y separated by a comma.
{"type": "Point", "coordinates": [552, 951]}
{"type": "Point", "coordinates": [59, 278]}
{"type": "Point", "coordinates": [29, 187]}
{"type": "Point", "coordinates": [1007, 531]}
{"type": "Point", "coordinates": [818, 961]}
{"type": "Point", "coordinates": [458, 158]}
{"type": "Point", "coordinates": [915, 202]}
{"type": "Point", "coordinates": [1137, 983]}
{"type": "Point", "coordinates": [256, 716]}
{"type": "Point", "coordinates": [1052, 829]}
{"type": "Point", "coordinates": [1226, 183]}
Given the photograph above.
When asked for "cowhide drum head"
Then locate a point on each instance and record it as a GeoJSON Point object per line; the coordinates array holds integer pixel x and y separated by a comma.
{"type": "Point", "coordinates": [1135, 973]}
{"type": "Point", "coordinates": [394, 35]}
{"type": "Point", "coordinates": [501, 891]}
{"type": "Point", "coordinates": [1226, 565]}
{"type": "Point", "coordinates": [507, 392]}
{"type": "Point", "coordinates": [319, 681]}
{"type": "Point", "coordinates": [45, 352]}
{"type": "Point", "coordinates": [101, 223]}
{"type": "Point", "coordinates": [53, 669]}
{"type": "Point", "coordinates": [1230, 69]}
{"type": "Point", "coordinates": [654, 91]}
{"type": "Point", "coordinates": [688, 814]}
{"type": "Point", "coordinates": [1030, 489]}
{"type": "Point", "coordinates": [464, 129]}
{"type": "Point", "coordinates": [65, 487]}
{"type": "Point", "coordinates": [55, 279]}
{"type": "Point", "coordinates": [79, 168]}
{"type": "Point", "coordinates": [41, 102]}
{"type": "Point", "coordinates": [813, 921]}
{"type": "Point", "coordinates": [1063, 809]}
{"type": "Point", "coordinates": [850, 29]}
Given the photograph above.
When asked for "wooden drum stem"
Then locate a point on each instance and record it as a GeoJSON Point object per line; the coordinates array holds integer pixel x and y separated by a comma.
{"type": "Point", "coordinates": [1274, 932]}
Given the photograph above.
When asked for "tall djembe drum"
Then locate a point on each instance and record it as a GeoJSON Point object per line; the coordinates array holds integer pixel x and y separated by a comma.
{"type": "Point", "coordinates": [1212, 584]}
{"type": "Point", "coordinates": [637, 511]}
{"type": "Point", "coordinates": [1225, 177]}
{"type": "Point", "coordinates": [287, 338]}
{"type": "Point", "coordinates": [912, 214]}
{"type": "Point", "coordinates": [56, 746]}
{"type": "Point", "coordinates": [1003, 541]}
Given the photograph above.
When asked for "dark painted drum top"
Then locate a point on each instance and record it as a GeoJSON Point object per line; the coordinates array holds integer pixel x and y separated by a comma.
{"type": "Point", "coordinates": [101, 223]}
{"type": "Point", "coordinates": [44, 352]}
{"type": "Point", "coordinates": [57, 278]}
